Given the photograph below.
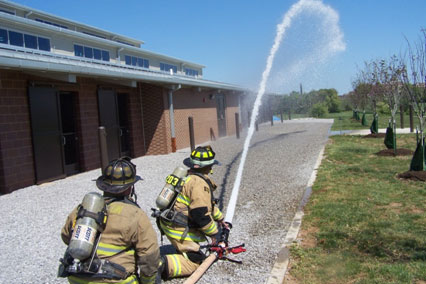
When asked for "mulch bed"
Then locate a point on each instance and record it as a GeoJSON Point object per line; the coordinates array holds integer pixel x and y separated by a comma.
{"type": "Point", "coordinates": [414, 175]}
{"type": "Point", "coordinates": [375, 135]}
{"type": "Point", "coordinates": [399, 152]}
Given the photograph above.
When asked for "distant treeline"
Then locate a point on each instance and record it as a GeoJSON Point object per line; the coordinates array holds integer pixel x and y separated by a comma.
{"type": "Point", "coordinates": [316, 103]}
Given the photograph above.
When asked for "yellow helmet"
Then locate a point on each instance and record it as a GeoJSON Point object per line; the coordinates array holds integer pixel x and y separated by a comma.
{"type": "Point", "coordinates": [201, 157]}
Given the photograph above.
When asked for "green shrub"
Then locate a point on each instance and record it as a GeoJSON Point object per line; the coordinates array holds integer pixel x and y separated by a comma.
{"type": "Point", "coordinates": [383, 108]}
{"type": "Point", "coordinates": [319, 110]}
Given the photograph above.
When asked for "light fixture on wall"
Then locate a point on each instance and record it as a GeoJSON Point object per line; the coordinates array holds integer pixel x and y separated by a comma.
{"type": "Point", "coordinates": [211, 96]}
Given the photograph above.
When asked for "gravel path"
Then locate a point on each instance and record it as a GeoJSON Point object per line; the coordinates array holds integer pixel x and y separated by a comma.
{"type": "Point", "coordinates": [278, 167]}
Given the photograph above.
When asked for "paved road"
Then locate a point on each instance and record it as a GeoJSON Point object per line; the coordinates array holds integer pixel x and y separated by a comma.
{"type": "Point", "coordinates": [278, 167]}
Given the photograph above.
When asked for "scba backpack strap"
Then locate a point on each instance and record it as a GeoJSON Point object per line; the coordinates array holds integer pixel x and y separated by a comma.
{"type": "Point", "coordinates": [100, 217]}
{"type": "Point", "coordinates": [94, 267]}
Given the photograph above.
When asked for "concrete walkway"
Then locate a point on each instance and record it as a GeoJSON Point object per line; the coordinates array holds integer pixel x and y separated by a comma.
{"type": "Point", "coordinates": [367, 131]}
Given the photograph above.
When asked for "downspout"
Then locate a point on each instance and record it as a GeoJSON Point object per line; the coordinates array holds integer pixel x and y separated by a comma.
{"type": "Point", "coordinates": [172, 116]}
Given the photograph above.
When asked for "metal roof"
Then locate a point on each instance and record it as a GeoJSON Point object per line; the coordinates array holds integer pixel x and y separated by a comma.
{"type": "Point", "coordinates": [36, 60]}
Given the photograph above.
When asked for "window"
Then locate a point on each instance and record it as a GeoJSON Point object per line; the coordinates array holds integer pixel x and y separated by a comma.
{"type": "Point", "coordinates": [3, 36]}
{"type": "Point", "coordinates": [78, 50]}
{"type": "Point", "coordinates": [43, 44]}
{"type": "Point", "coordinates": [105, 55]}
{"type": "Point", "coordinates": [88, 52]}
{"type": "Point", "coordinates": [167, 67]}
{"type": "Point", "coordinates": [97, 54]}
{"type": "Point", "coordinates": [24, 40]}
{"type": "Point", "coordinates": [191, 72]}
{"type": "Point", "coordinates": [7, 12]}
{"type": "Point", "coordinates": [30, 41]}
{"type": "Point", "coordinates": [146, 63]}
{"type": "Point", "coordinates": [140, 62]}
{"type": "Point", "coordinates": [16, 38]}
{"type": "Point", "coordinates": [136, 61]}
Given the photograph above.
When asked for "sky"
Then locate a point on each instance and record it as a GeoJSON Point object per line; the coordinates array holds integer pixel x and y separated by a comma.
{"type": "Point", "coordinates": [233, 38]}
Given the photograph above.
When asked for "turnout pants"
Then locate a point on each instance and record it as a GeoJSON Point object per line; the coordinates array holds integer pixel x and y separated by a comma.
{"type": "Point", "coordinates": [187, 260]}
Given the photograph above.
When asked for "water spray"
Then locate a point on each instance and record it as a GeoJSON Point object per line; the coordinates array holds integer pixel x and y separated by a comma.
{"type": "Point", "coordinates": [316, 6]}
{"type": "Point", "coordinates": [335, 45]}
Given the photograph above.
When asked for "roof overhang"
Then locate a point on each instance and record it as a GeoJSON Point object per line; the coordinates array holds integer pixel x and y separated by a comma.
{"type": "Point", "coordinates": [48, 63]}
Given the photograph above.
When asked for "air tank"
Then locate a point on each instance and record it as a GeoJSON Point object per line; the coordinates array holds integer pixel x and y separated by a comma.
{"type": "Point", "coordinates": [86, 228]}
{"type": "Point", "coordinates": [169, 191]}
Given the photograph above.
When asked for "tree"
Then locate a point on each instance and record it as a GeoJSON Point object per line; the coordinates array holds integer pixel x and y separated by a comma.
{"type": "Point", "coordinates": [331, 99]}
{"type": "Point", "coordinates": [387, 73]}
{"type": "Point", "coordinates": [413, 77]}
{"type": "Point", "coordinates": [319, 110]}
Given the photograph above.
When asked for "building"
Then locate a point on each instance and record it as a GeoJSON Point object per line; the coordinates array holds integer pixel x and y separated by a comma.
{"type": "Point", "coordinates": [60, 80]}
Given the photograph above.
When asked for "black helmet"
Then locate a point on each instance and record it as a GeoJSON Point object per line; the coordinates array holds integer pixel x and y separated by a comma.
{"type": "Point", "coordinates": [118, 176]}
{"type": "Point", "coordinates": [201, 157]}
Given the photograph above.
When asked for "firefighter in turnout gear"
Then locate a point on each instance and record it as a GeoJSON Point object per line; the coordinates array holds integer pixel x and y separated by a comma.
{"type": "Point", "coordinates": [126, 250]}
{"type": "Point", "coordinates": [196, 216]}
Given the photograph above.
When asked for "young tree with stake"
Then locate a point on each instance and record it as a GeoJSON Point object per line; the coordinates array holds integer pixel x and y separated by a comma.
{"type": "Point", "coordinates": [413, 76]}
{"type": "Point", "coordinates": [386, 74]}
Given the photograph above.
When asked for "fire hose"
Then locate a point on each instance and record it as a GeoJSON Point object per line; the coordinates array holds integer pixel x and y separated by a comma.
{"type": "Point", "coordinates": [218, 251]}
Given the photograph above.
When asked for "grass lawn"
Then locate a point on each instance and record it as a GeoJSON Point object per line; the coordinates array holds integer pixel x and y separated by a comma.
{"type": "Point", "coordinates": [344, 121]}
{"type": "Point", "coordinates": [362, 224]}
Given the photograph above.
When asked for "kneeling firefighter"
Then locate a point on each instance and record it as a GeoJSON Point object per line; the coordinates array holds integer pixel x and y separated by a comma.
{"type": "Point", "coordinates": [192, 215]}
{"type": "Point", "coordinates": [110, 239]}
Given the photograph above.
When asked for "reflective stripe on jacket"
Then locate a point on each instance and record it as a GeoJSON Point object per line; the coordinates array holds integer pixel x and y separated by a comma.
{"type": "Point", "coordinates": [195, 202]}
{"type": "Point", "coordinates": [128, 240]}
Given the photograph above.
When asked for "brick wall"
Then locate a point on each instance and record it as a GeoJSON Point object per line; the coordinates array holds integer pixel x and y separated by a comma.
{"type": "Point", "coordinates": [16, 155]}
{"type": "Point", "coordinates": [203, 109]}
{"type": "Point", "coordinates": [231, 109]}
{"type": "Point", "coordinates": [154, 119]}
{"type": "Point", "coordinates": [149, 124]}
{"type": "Point", "coordinates": [137, 146]}
{"type": "Point", "coordinates": [87, 120]}
{"type": "Point", "coordinates": [16, 151]}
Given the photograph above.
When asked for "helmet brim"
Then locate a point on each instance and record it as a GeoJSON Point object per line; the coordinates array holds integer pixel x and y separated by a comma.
{"type": "Point", "coordinates": [188, 162]}
{"type": "Point", "coordinates": [115, 189]}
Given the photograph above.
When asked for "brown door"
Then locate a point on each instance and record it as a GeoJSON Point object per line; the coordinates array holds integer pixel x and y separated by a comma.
{"type": "Point", "coordinates": [46, 133]}
{"type": "Point", "coordinates": [108, 117]}
{"type": "Point", "coordinates": [221, 115]}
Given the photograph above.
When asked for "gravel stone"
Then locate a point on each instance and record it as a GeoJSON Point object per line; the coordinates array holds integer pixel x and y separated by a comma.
{"type": "Point", "coordinates": [278, 166]}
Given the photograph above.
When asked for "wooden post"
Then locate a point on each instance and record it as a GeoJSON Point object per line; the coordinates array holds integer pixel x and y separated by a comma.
{"type": "Point", "coordinates": [281, 113]}
{"type": "Point", "coordinates": [103, 147]}
{"type": "Point", "coordinates": [272, 120]}
{"type": "Point", "coordinates": [411, 119]}
{"type": "Point", "coordinates": [191, 133]}
{"type": "Point", "coordinates": [237, 125]}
